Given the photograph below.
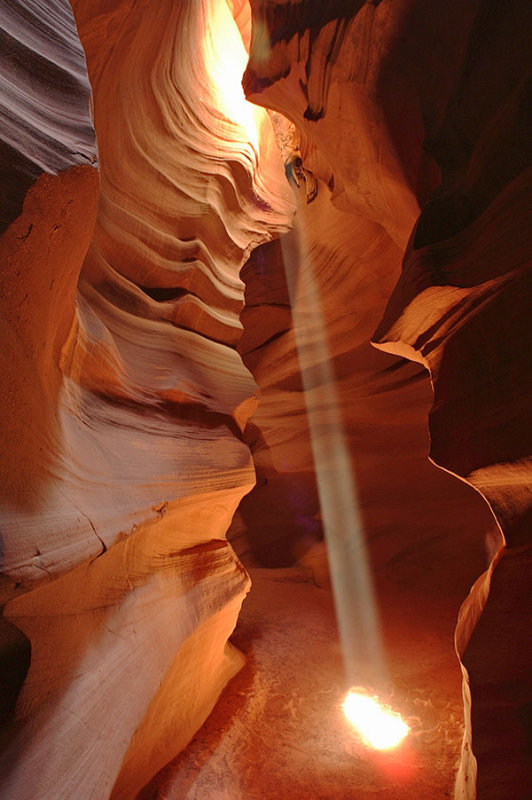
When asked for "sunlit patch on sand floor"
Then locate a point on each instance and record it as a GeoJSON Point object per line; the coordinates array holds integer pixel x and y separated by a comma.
{"type": "Point", "coordinates": [377, 724]}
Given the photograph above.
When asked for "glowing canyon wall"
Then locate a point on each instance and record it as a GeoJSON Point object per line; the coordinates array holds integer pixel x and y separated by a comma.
{"type": "Point", "coordinates": [123, 396]}
{"type": "Point", "coordinates": [137, 183]}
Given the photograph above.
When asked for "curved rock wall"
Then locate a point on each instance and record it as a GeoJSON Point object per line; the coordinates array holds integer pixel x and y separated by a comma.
{"type": "Point", "coordinates": [415, 517]}
{"type": "Point", "coordinates": [125, 396]}
{"type": "Point", "coordinates": [410, 105]}
{"type": "Point", "coordinates": [44, 99]}
{"type": "Point", "coordinates": [462, 306]}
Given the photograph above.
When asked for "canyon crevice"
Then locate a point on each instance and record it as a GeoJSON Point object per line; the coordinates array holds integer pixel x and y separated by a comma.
{"type": "Point", "coordinates": [204, 302]}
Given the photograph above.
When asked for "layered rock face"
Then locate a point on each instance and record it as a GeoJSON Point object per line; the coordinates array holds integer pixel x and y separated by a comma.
{"type": "Point", "coordinates": [341, 268]}
{"type": "Point", "coordinates": [123, 396]}
{"type": "Point", "coordinates": [403, 106]}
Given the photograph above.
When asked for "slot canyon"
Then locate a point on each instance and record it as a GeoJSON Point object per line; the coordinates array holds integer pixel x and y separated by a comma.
{"type": "Point", "coordinates": [266, 384]}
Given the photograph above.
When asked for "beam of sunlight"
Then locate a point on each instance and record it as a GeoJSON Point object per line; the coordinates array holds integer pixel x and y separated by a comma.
{"type": "Point", "coordinates": [377, 724]}
{"type": "Point", "coordinates": [350, 576]}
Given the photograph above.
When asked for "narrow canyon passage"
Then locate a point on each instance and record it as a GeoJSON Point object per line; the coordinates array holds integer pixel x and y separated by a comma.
{"type": "Point", "coordinates": [279, 730]}
{"type": "Point", "coordinates": [265, 397]}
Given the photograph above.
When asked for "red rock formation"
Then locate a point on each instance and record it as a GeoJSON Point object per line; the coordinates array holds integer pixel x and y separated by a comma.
{"type": "Point", "coordinates": [120, 493]}
{"type": "Point", "coordinates": [462, 306]}
{"type": "Point", "coordinates": [368, 92]}
{"type": "Point", "coordinates": [124, 398]}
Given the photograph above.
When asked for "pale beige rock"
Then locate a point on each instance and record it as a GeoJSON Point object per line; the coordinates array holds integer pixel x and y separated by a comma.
{"type": "Point", "coordinates": [116, 564]}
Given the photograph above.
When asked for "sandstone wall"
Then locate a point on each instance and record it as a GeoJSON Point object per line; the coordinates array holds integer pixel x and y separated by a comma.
{"type": "Point", "coordinates": [413, 106]}
{"type": "Point", "coordinates": [125, 398]}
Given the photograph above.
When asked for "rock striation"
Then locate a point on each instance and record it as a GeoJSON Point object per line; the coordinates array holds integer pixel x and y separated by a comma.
{"type": "Point", "coordinates": [125, 396]}
{"type": "Point", "coordinates": [44, 99]}
{"type": "Point", "coordinates": [137, 183]}
{"type": "Point", "coordinates": [411, 106]}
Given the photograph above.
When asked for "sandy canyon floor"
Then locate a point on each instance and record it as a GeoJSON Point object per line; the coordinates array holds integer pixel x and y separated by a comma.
{"type": "Point", "coordinates": [279, 732]}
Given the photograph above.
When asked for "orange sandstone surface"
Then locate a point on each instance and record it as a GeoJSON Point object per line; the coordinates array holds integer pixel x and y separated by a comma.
{"type": "Point", "coordinates": [200, 295]}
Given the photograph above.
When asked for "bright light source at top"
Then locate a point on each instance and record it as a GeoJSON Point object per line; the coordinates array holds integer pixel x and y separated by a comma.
{"type": "Point", "coordinates": [226, 59]}
{"type": "Point", "coordinates": [378, 725]}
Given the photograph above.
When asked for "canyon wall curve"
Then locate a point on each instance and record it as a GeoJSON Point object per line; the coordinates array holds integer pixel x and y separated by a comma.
{"type": "Point", "coordinates": [151, 331]}
{"type": "Point", "coordinates": [124, 411]}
